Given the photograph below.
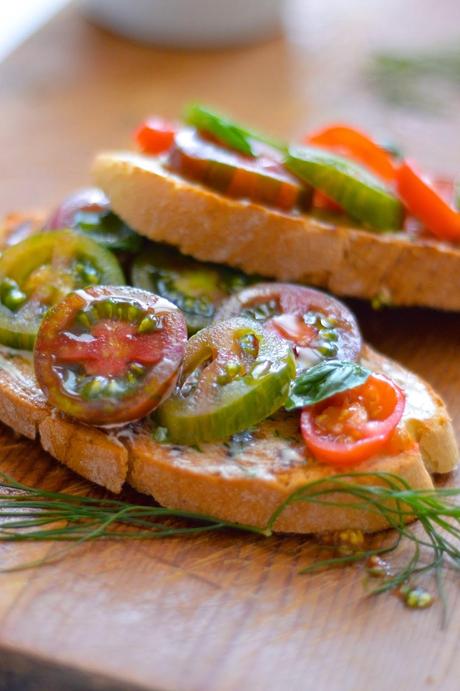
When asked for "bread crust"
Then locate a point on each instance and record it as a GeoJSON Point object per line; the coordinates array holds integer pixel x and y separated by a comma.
{"type": "Point", "coordinates": [348, 261]}
{"type": "Point", "coordinates": [242, 485]}
{"type": "Point", "coordinates": [239, 482]}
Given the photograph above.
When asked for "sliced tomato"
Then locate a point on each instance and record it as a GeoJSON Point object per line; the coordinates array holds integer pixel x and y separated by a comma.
{"type": "Point", "coordinates": [112, 346]}
{"type": "Point", "coordinates": [322, 201]}
{"type": "Point", "coordinates": [234, 375]}
{"type": "Point", "coordinates": [317, 325]}
{"type": "Point", "coordinates": [260, 180]}
{"type": "Point", "coordinates": [39, 271]}
{"type": "Point", "coordinates": [193, 286]}
{"type": "Point", "coordinates": [352, 426]}
{"type": "Point", "coordinates": [88, 211]}
{"type": "Point", "coordinates": [108, 356]}
{"type": "Point", "coordinates": [357, 145]}
{"type": "Point", "coordinates": [155, 135]}
{"type": "Point", "coordinates": [424, 200]}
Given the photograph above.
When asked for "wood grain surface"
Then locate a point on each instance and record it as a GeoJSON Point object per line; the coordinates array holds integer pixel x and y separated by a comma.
{"type": "Point", "coordinates": [223, 611]}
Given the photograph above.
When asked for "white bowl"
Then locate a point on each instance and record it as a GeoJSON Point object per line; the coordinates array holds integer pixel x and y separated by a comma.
{"type": "Point", "coordinates": [188, 23]}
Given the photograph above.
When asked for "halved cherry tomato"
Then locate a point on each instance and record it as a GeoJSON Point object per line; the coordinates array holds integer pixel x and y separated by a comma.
{"type": "Point", "coordinates": [108, 356]}
{"type": "Point", "coordinates": [317, 325]}
{"type": "Point", "coordinates": [352, 426]}
{"type": "Point", "coordinates": [355, 144]}
{"type": "Point", "coordinates": [425, 202]}
{"type": "Point", "coordinates": [234, 375]}
{"type": "Point", "coordinates": [155, 135]}
{"type": "Point", "coordinates": [258, 179]}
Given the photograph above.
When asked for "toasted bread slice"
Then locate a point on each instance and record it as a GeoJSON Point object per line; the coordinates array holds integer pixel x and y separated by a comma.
{"type": "Point", "coordinates": [241, 481]}
{"type": "Point", "coordinates": [392, 267]}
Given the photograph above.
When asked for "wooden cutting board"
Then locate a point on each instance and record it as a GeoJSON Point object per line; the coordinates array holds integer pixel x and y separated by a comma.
{"type": "Point", "coordinates": [220, 611]}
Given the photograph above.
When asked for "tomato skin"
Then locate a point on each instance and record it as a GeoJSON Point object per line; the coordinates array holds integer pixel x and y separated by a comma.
{"type": "Point", "coordinates": [87, 199]}
{"type": "Point", "coordinates": [371, 436]}
{"type": "Point", "coordinates": [69, 357]}
{"type": "Point", "coordinates": [234, 375]}
{"type": "Point", "coordinates": [357, 145]}
{"type": "Point", "coordinates": [425, 202]}
{"type": "Point", "coordinates": [155, 135]}
{"type": "Point", "coordinates": [261, 180]}
{"type": "Point", "coordinates": [305, 317]}
{"type": "Point", "coordinates": [322, 201]}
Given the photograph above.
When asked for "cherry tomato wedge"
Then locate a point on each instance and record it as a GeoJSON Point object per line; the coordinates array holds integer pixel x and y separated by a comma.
{"type": "Point", "coordinates": [426, 203]}
{"type": "Point", "coordinates": [39, 271]}
{"type": "Point", "coordinates": [352, 426]}
{"type": "Point", "coordinates": [260, 180]}
{"type": "Point", "coordinates": [355, 144]}
{"type": "Point", "coordinates": [316, 325]}
{"type": "Point", "coordinates": [234, 375]}
{"type": "Point", "coordinates": [195, 287]}
{"type": "Point", "coordinates": [155, 135]}
{"type": "Point", "coordinates": [108, 356]}
{"type": "Point", "coordinates": [88, 211]}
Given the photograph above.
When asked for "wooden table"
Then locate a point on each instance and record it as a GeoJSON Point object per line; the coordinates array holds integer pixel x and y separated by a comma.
{"type": "Point", "coordinates": [219, 612]}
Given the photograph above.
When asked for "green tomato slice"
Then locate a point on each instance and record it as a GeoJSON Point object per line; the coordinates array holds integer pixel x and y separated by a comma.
{"type": "Point", "coordinates": [38, 272]}
{"type": "Point", "coordinates": [362, 195]}
{"type": "Point", "coordinates": [195, 287]}
{"type": "Point", "coordinates": [234, 374]}
{"type": "Point", "coordinates": [108, 230]}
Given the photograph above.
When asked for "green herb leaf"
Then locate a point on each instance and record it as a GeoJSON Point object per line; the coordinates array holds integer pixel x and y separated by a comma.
{"type": "Point", "coordinates": [29, 514]}
{"type": "Point", "coordinates": [227, 131]}
{"type": "Point", "coordinates": [324, 380]}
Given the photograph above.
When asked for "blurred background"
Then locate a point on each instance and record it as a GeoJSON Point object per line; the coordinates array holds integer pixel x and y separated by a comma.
{"type": "Point", "coordinates": [76, 77]}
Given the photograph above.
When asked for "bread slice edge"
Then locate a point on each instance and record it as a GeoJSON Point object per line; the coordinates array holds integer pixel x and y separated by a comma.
{"type": "Point", "coordinates": [328, 253]}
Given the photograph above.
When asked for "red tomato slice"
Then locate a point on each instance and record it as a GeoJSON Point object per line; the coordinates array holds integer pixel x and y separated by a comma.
{"type": "Point", "coordinates": [108, 355]}
{"type": "Point", "coordinates": [155, 135]}
{"type": "Point", "coordinates": [424, 201]}
{"type": "Point", "coordinates": [316, 324]}
{"type": "Point", "coordinates": [352, 426]}
{"type": "Point", "coordinates": [355, 144]}
{"type": "Point", "coordinates": [261, 180]}
{"type": "Point", "coordinates": [113, 346]}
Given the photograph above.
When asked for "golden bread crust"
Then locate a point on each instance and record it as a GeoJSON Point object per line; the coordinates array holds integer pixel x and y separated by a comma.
{"type": "Point", "coordinates": [240, 481]}
{"type": "Point", "coordinates": [211, 227]}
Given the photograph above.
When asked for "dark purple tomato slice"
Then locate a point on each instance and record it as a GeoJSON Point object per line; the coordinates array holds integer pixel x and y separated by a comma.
{"type": "Point", "coordinates": [261, 180]}
{"type": "Point", "coordinates": [317, 325]}
{"type": "Point", "coordinates": [108, 356]}
{"type": "Point", "coordinates": [88, 211]}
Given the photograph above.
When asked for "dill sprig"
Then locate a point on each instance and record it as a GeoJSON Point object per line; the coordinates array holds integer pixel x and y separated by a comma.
{"type": "Point", "coordinates": [407, 79]}
{"type": "Point", "coordinates": [35, 514]}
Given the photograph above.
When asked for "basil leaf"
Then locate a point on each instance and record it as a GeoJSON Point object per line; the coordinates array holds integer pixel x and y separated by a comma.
{"type": "Point", "coordinates": [226, 130]}
{"type": "Point", "coordinates": [324, 380]}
